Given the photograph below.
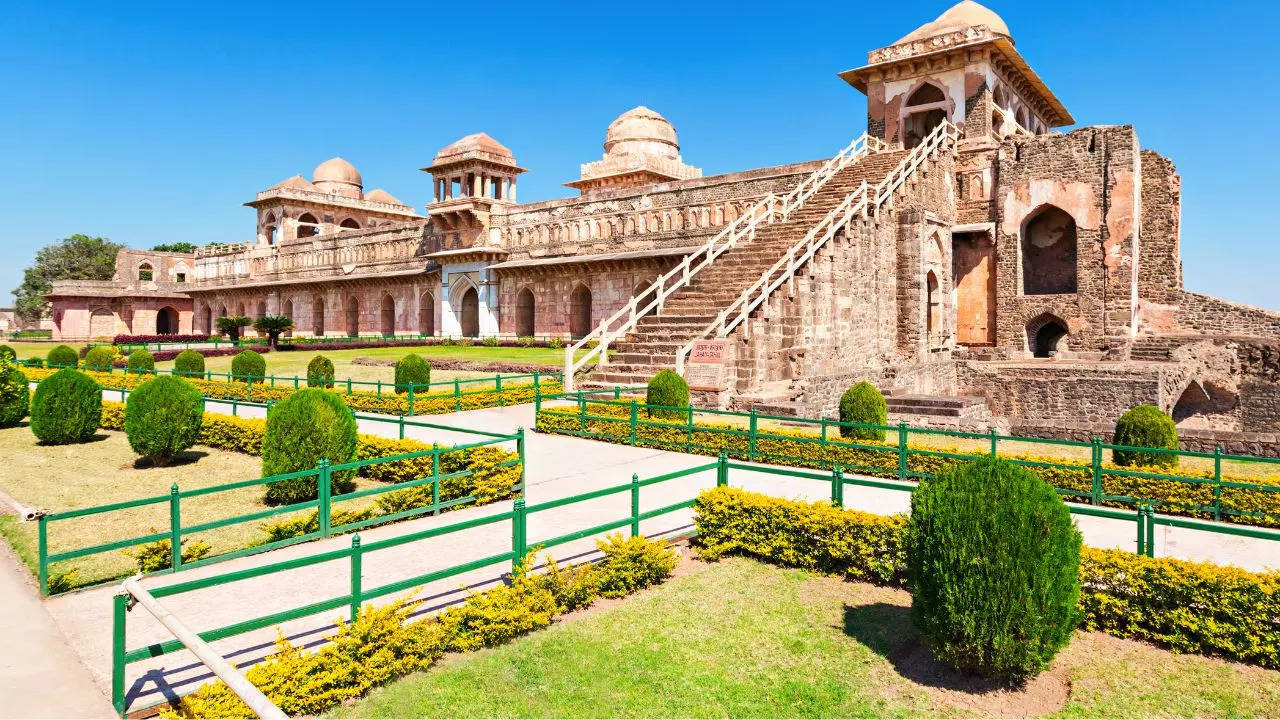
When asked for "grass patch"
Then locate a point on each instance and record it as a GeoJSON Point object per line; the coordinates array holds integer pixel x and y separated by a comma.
{"type": "Point", "coordinates": [743, 639]}
{"type": "Point", "coordinates": [106, 470]}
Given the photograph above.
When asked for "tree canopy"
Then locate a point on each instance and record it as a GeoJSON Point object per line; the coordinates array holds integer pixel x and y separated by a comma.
{"type": "Point", "coordinates": [179, 247]}
{"type": "Point", "coordinates": [79, 257]}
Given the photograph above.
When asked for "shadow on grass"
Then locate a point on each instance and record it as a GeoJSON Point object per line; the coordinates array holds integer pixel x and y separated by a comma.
{"type": "Point", "coordinates": [98, 437]}
{"type": "Point", "coordinates": [186, 457]}
{"type": "Point", "coordinates": [887, 630]}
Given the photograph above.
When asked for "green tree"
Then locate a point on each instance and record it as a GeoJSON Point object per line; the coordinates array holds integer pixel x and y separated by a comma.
{"type": "Point", "coordinates": [79, 257]}
{"type": "Point", "coordinates": [180, 247]}
{"type": "Point", "coordinates": [272, 326]}
{"type": "Point", "coordinates": [230, 326]}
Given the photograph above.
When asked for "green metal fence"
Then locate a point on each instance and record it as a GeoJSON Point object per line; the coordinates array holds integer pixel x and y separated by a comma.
{"type": "Point", "coordinates": [306, 341]}
{"type": "Point", "coordinates": [323, 504]}
{"type": "Point", "coordinates": [1143, 518]}
{"type": "Point", "coordinates": [748, 441]}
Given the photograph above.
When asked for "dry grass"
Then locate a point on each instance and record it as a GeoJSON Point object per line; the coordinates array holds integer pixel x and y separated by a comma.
{"type": "Point", "coordinates": [106, 470]}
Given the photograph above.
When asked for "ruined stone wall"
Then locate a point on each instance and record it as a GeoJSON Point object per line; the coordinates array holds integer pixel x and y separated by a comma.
{"type": "Point", "coordinates": [1061, 394]}
{"type": "Point", "coordinates": [1091, 174]}
{"type": "Point", "coordinates": [1209, 314]}
{"type": "Point", "coordinates": [1160, 264]}
{"type": "Point", "coordinates": [820, 395]}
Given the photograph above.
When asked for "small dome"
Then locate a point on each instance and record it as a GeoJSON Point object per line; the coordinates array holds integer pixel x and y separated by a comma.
{"type": "Point", "coordinates": [381, 196]}
{"type": "Point", "coordinates": [964, 14]}
{"type": "Point", "coordinates": [475, 146]}
{"type": "Point", "coordinates": [337, 170]}
{"type": "Point", "coordinates": [641, 131]}
{"type": "Point", "coordinates": [297, 182]}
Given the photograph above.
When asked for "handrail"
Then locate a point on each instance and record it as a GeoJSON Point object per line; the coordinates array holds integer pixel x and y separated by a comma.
{"type": "Point", "coordinates": [744, 226]}
{"type": "Point", "coordinates": [857, 202]}
{"type": "Point", "coordinates": [248, 693]}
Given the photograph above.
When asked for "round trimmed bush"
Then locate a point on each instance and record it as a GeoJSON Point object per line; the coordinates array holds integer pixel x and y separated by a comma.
{"type": "Point", "coordinates": [100, 357]}
{"type": "Point", "coordinates": [1145, 426]}
{"type": "Point", "coordinates": [993, 557]}
{"type": "Point", "coordinates": [307, 426]}
{"type": "Point", "coordinates": [14, 393]}
{"type": "Point", "coordinates": [412, 369]}
{"type": "Point", "coordinates": [7, 353]}
{"type": "Point", "coordinates": [320, 372]}
{"type": "Point", "coordinates": [248, 366]}
{"type": "Point", "coordinates": [140, 361]}
{"type": "Point", "coordinates": [62, 356]}
{"type": "Point", "coordinates": [66, 408]}
{"type": "Point", "coordinates": [865, 405]}
{"type": "Point", "coordinates": [162, 418]}
{"type": "Point", "coordinates": [189, 363]}
{"type": "Point", "coordinates": [668, 390]}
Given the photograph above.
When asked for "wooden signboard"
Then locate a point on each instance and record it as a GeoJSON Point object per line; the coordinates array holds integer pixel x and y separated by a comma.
{"type": "Point", "coordinates": [704, 370]}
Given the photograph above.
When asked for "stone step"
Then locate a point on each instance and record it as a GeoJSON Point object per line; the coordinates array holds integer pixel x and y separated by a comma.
{"type": "Point", "coordinates": [936, 405]}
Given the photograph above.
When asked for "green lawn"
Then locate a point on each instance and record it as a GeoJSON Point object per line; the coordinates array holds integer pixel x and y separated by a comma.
{"type": "Point", "coordinates": [744, 639]}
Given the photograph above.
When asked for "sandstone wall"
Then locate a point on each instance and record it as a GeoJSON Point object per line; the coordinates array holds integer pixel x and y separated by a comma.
{"type": "Point", "coordinates": [1160, 264]}
{"type": "Point", "coordinates": [1215, 315]}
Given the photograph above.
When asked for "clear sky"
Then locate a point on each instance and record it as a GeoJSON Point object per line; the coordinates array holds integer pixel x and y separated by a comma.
{"type": "Point", "coordinates": [150, 123]}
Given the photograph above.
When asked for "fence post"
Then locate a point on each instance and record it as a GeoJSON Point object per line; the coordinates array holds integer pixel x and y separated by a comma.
{"type": "Point", "coordinates": [635, 505]}
{"type": "Point", "coordinates": [688, 436]}
{"type": "Point", "coordinates": [295, 382]}
{"type": "Point", "coordinates": [233, 407]}
{"type": "Point", "coordinates": [400, 422]}
{"type": "Point", "coordinates": [1142, 531]}
{"type": "Point", "coordinates": [379, 387]}
{"type": "Point", "coordinates": [457, 396]}
{"type": "Point", "coordinates": [120, 604]}
{"type": "Point", "coordinates": [435, 473]}
{"type": "Point", "coordinates": [518, 539]}
{"type": "Point", "coordinates": [582, 411]}
{"type": "Point", "coordinates": [349, 385]}
{"type": "Point", "coordinates": [722, 470]}
{"type": "Point", "coordinates": [837, 488]}
{"type": "Point", "coordinates": [1095, 491]}
{"type": "Point", "coordinates": [902, 450]}
{"type": "Point", "coordinates": [635, 420]}
{"type": "Point", "coordinates": [993, 441]}
{"type": "Point", "coordinates": [751, 436]}
{"type": "Point", "coordinates": [42, 549]}
{"type": "Point", "coordinates": [617, 392]}
{"type": "Point", "coordinates": [323, 490]}
{"type": "Point", "coordinates": [1151, 532]}
{"type": "Point", "coordinates": [520, 453]}
{"type": "Point", "coordinates": [411, 412]}
{"type": "Point", "coordinates": [357, 570]}
{"type": "Point", "coordinates": [1217, 482]}
{"type": "Point", "coordinates": [175, 528]}
{"type": "Point", "coordinates": [537, 397]}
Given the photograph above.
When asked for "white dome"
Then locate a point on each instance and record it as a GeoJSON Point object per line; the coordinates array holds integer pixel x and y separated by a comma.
{"type": "Point", "coordinates": [641, 131]}
{"type": "Point", "coordinates": [962, 15]}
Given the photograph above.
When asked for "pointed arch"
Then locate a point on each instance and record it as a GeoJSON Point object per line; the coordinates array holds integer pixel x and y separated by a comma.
{"type": "Point", "coordinates": [933, 307]}
{"type": "Point", "coordinates": [317, 316]}
{"type": "Point", "coordinates": [1049, 252]}
{"type": "Point", "coordinates": [388, 315]}
{"type": "Point", "coordinates": [353, 316]}
{"type": "Point", "coordinates": [427, 314]}
{"type": "Point", "coordinates": [146, 272]}
{"type": "Point", "coordinates": [1046, 334]}
{"type": "Point", "coordinates": [525, 319]}
{"type": "Point", "coordinates": [580, 311]}
{"type": "Point", "coordinates": [166, 321]}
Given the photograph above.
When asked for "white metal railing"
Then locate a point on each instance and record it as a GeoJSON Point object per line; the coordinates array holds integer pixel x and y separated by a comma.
{"type": "Point", "coordinates": [861, 201]}
{"type": "Point", "coordinates": [766, 210]}
{"type": "Point", "coordinates": [260, 704]}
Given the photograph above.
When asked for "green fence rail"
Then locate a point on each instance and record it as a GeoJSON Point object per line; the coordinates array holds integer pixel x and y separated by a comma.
{"type": "Point", "coordinates": [635, 414]}
{"type": "Point", "coordinates": [323, 474]}
{"type": "Point", "coordinates": [1144, 520]}
{"type": "Point", "coordinates": [216, 342]}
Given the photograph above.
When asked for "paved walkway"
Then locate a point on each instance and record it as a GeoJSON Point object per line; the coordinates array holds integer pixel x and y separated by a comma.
{"type": "Point", "coordinates": [557, 466]}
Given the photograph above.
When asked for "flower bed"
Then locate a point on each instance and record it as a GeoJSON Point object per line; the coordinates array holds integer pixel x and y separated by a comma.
{"type": "Point", "coordinates": [137, 339]}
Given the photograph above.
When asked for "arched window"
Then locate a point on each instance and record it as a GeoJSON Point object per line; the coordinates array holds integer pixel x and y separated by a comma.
{"type": "Point", "coordinates": [353, 316]}
{"type": "Point", "coordinates": [1049, 252]}
{"type": "Point", "coordinates": [288, 312]}
{"type": "Point", "coordinates": [269, 232]}
{"type": "Point", "coordinates": [206, 324]}
{"type": "Point", "coordinates": [524, 313]}
{"type": "Point", "coordinates": [427, 314]}
{"type": "Point", "coordinates": [317, 316]}
{"type": "Point", "coordinates": [925, 110]}
{"type": "Point", "coordinates": [580, 311]}
{"type": "Point", "coordinates": [308, 226]}
{"type": "Point", "coordinates": [166, 321]}
{"type": "Point", "coordinates": [1046, 334]}
{"type": "Point", "coordinates": [262, 309]}
{"type": "Point", "coordinates": [388, 316]}
{"type": "Point", "coordinates": [350, 224]}
{"type": "Point", "coordinates": [145, 271]}
{"type": "Point", "coordinates": [470, 315]}
{"type": "Point", "coordinates": [1200, 402]}
{"type": "Point", "coordinates": [933, 309]}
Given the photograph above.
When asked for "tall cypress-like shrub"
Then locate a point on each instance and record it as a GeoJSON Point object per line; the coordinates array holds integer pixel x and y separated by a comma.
{"type": "Point", "coordinates": [993, 561]}
{"type": "Point", "coordinates": [865, 405]}
{"type": "Point", "coordinates": [320, 372]}
{"type": "Point", "coordinates": [162, 417]}
{"type": "Point", "coordinates": [15, 395]}
{"type": "Point", "coordinates": [307, 426]}
{"type": "Point", "coordinates": [66, 408]}
{"type": "Point", "coordinates": [669, 392]}
{"type": "Point", "coordinates": [1145, 426]}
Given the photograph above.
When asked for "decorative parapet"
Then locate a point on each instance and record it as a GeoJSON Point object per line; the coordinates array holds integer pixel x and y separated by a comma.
{"type": "Point", "coordinates": [956, 38]}
{"type": "Point", "coordinates": [114, 288]}
{"type": "Point", "coordinates": [324, 198]}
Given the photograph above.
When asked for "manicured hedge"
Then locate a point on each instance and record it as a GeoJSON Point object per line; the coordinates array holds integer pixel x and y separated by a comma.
{"type": "Point", "coordinates": [388, 403]}
{"type": "Point", "coordinates": [805, 449]}
{"type": "Point", "coordinates": [666, 390]}
{"type": "Point", "coordinates": [100, 358]}
{"type": "Point", "coordinates": [141, 362]}
{"type": "Point", "coordinates": [1190, 607]}
{"type": "Point", "coordinates": [320, 372]}
{"type": "Point", "coordinates": [189, 363]}
{"type": "Point", "coordinates": [15, 394]}
{"type": "Point", "coordinates": [7, 353]}
{"type": "Point", "coordinates": [248, 366]}
{"type": "Point", "coordinates": [162, 418]}
{"type": "Point", "coordinates": [412, 370]}
{"type": "Point", "coordinates": [1146, 426]}
{"type": "Point", "coordinates": [386, 643]}
{"type": "Point", "coordinates": [863, 404]}
{"type": "Point", "coordinates": [66, 408]}
{"type": "Point", "coordinates": [308, 426]}
{"type": "Point", "coordinates": [63, 356]}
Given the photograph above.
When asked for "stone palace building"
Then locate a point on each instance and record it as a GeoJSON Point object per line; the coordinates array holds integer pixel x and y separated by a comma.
{"type": "Point", "coordinates": [977, 265]}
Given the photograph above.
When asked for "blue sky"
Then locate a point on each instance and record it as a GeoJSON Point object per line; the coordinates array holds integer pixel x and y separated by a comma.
{"type": "Point", "coordinates": [150, 123]}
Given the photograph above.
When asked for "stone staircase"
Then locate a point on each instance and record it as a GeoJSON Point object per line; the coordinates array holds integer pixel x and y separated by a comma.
{"type": "Point", "coordinates": [652, 346]}
{"type": "Point", "coordinates": [942, 406]}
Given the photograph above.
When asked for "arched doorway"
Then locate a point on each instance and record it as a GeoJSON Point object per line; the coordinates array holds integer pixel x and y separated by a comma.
{"type": "Point", "coordinates": [262, 309]}
{"type": "Point", "coordinates": [388, 316]}
{"type": "Point", "coordinates": [308, 226]}
{"type": "Point", "coordinates": [469, 318]}
{"type": "Point", "coordinates": [317, 316]}
{"type": "Point", "coordinates": [288, 312]}
{"type": "Point", "coordinates": [524, 313]}
{"type": "Point", "coordinates": [427, 314]}
{"type": "Point", "coordinates": [1046, 335]}
{"type": "Point", "coordinates": [933, 310]}
{"type": "Point", "coordinates": [206, 323]}
{"type": "Point", "coordinates": [580, 311]}
{"type": "Point", "coordinates": [166, 321]}
{"type": "Point", "coordinates": [353, 316]}
{"type": "Point", "coordinates": [1049, 252]}
{"type": "Point", "coordinates": [925, 110]}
